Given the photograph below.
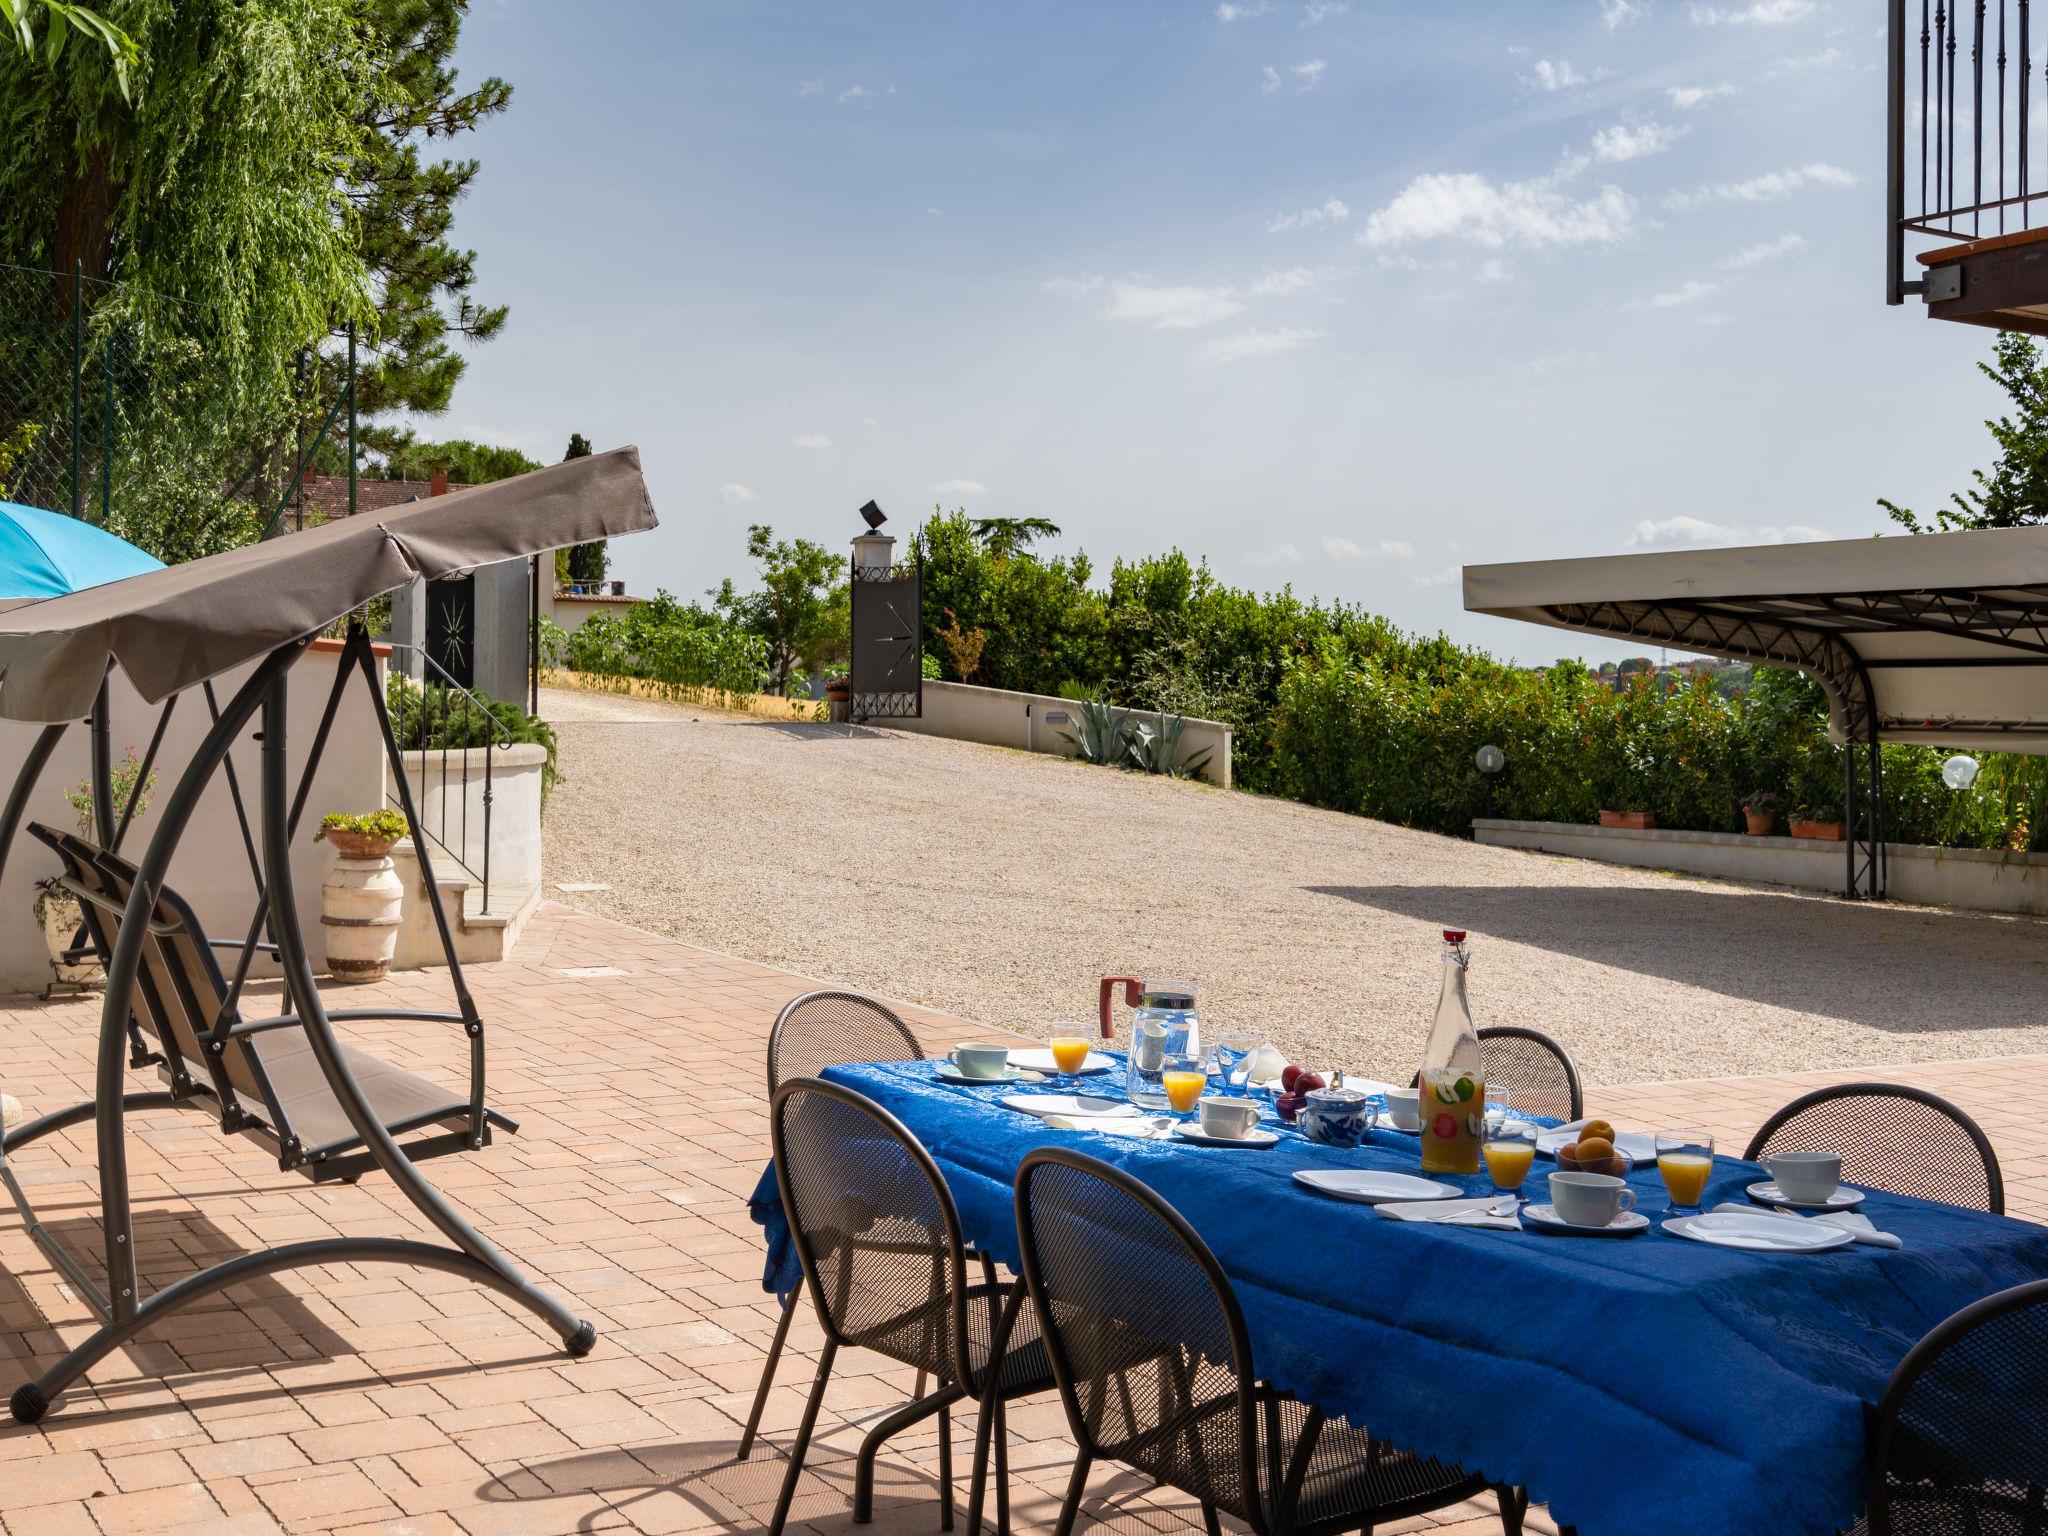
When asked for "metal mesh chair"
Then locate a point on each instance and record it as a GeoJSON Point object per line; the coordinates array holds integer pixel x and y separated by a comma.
{"type": "Point", "coordinates": [813, 1032]}
{"type": "Point", "coordinates": [1537, 1073]}
{"type": "Point", "coordinates": [885, 1266]}
{"type": "Point", "coordinates": [1960, 1446]}
{"type": "Point", "coordinates": [1154, 1366]}
{"type": "Point", "coordinates": [1892, 1138]}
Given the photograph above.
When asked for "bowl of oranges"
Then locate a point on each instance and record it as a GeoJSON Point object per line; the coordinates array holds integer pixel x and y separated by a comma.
{"type": "Point", "coordinates": [1595, 1152]}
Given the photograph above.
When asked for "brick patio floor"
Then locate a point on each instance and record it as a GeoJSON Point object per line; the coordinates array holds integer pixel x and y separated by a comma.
{"type": "Point", "coordinates": [352, 1398]}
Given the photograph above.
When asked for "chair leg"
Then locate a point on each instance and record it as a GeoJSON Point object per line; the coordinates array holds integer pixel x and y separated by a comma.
{"type": "Point", "coordinates": [802, 1445]}
{"type": "Point", "coordinates": [977, 1476]}
{"type": "Point", "coordinates": [1002, 1469]}
{"type": "Point", "coordinates": [1514, 1508]}
{"type": "Point", "coordinates": [767, 1377]}
{"type": "Point", "coordinates": [884, 1431]}
{"type": "Point", "coordinates": [946, 1466]}
{"type": "Point", "coordinates": [1209, 1521]}
{"type": "Point", "coordinates": [1077, 1485]}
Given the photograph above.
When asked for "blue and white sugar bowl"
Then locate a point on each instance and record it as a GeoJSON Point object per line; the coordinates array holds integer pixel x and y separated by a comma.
{"type": "Point", "coordinates": [1337, 1117]}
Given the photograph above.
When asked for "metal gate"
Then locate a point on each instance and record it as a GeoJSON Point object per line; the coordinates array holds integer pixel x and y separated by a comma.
{"type": "Point", "coordinates": [886, 668]}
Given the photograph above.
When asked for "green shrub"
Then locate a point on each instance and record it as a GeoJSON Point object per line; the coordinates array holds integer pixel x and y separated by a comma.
{"type": "Point", "coordinates": [432, 717]}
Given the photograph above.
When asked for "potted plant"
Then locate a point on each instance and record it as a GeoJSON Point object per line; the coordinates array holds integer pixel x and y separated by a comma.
{"type": "Point", "coordinates": [1636, 821]}
{"type": "Point", "coordinates": [362, 899]}
{"type": "Point", "coordinates": [839, 698]}
{"type": "Point", "coordinates": [57, 911]}
{"type": "Point", "coordinates": [1822, 822]}
{"type": "Point", "coordinates": [1761, 810]}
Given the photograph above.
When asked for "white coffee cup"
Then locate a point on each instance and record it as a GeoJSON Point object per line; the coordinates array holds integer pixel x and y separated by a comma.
{"type": "Point", "coordinates": [1404, 1108]}
{"type": "Point", "coordinates": [974, 1059]}
{"type": "Point", "coordinates": [1590, 1199]}
{"type": "Point", "coordinates": [1231, 1119]}
{"type": "Point", "coordinates": [1809, 1178]}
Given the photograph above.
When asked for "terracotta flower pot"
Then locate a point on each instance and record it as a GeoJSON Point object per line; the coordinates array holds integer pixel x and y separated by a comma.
{"type": "Point", "coordinates": [1634, 821]}
{"type": "Point", "coordinates": [359, 845]}
{"type": "Point", "coordinates": [1819, 831]}
{"type": "Point", "coordinates": [1761, 822]}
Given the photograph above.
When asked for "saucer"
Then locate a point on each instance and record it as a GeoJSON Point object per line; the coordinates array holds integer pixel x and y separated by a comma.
{"type": "Point", "coordinates": [1759, 1232]}
{"type": "Point", "coordinates": [946, 1072]}
{"type": "Point", "coordinates": [1768, 1193]}
{"type": "Point", "coordinates": [1192, 1131]}
{"type": "Point", "coordinates": [1371, 1186]}
{"type": "Point", "coordinates": [1544, 1218]}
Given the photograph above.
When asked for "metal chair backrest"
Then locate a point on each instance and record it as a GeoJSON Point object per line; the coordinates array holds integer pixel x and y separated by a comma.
{"type": "Point", "coordinates": [1891, 1137]}
{"type": "Point", "coordinates": [874, 1225]}
{"type": "Point", "coordinates": [1148, 1344]}
{"type": "Point", "coordinates": [1537, 1074]}
{"type": "Point", "coordinates": [828, 1029]}
{"type": "Point", "coordinates": [1960, 1445]}
{"type": "Point", "coordinates": [99, 905]}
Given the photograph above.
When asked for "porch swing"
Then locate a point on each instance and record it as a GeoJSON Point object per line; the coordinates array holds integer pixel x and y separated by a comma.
{"type": "Point", "coordinates": [325, 1109]}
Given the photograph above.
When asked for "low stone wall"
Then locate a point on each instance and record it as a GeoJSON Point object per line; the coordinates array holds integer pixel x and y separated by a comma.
{"type": "Point", "coordinates": [1034, 722]}
{"type": "Point", "coordinates": [1972, 878]}
{"type": "Point", "coordinates": [448, 789]}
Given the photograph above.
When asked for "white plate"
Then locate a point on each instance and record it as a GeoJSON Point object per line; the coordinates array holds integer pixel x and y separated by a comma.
{"type": "Point", "coordinates": [1192, 1131]}
{"type": "Point", "coordinates": [1768, 1193]}
{"type": "Point", "coordinates": [1370, 1186]}
{"type": "Point", "coordinates": [1638, 1146]}
{"type": "Point", "coordinates": [1040, 1059]}
{"type": "Point", "coordinates": [1544, 1218]}
{"type": "Point", "coordinates": [946, 1072]}
{"type": "Point", "coordinates": [1075, 1106]}
{"type": "Point", "coordinates": [1759, 1232]}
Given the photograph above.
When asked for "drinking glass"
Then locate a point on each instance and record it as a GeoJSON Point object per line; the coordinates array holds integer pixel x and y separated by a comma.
{"type": "Point", "coordinates": [1510, 1152]}
{"type": "Point", "coordinates": [1184, 1080]}
{"type": "Point", "coordinates": [1233, 1063]}
{"type": "Point", "coordinates": [1686, 1159]}
{"type": "Point", "coordinates": [1069, 1056]}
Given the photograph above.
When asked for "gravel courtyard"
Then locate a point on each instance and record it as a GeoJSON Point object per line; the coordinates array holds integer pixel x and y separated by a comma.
{"type": "Point", "coordinates": [999, 887]}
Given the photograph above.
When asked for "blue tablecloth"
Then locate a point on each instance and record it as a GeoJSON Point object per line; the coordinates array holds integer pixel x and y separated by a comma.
{"type": "Point", "coordinates": [1640, 1387]}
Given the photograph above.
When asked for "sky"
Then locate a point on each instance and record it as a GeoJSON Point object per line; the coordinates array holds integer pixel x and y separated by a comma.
{"type": "Point", "coordinates": [1336, 296]}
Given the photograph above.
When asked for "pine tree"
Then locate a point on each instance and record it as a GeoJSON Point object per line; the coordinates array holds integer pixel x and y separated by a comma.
{"type": "Point", "coordinates": [581, 562]}
{"type": "Point", "coordinates": [2014, 493]}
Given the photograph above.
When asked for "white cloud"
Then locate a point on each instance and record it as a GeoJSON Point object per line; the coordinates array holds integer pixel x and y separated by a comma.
{"type": "Point", "coordinates": [1688, 97]}
{"type": "Point", "coordinates": [811, 440]}
{"type": "Point", "coordinates": [1633, 141]}
{"type": "Point", "coordinates": [810, 87]}
{"type": "Point", "coordinates": [1442, 578]}
{"type": "Point", "coordinates": [1689, 292]}
{"type": "Point", "coordinates": [1309, 74]}
{"type": "Point", "coordinates": [1227, 13]}
{"type": "Point", "coordinates": [1269, 80]}
{"type": "Point", "coordinates": [1316, 12]}
{"type": "Point", "coordinates": [957, 488]}
{"type": "Point", "coordinates": [860, 95]}
{"type": "Point", "coordinates": [1170, 309]}
{"type": "Point", "coordinates": [1493, 270]}
{"type": "Point", "coordinates": [1763, 251]}
{"type": "Point", "coordinates": [733, 494]}
{"type": "Point", "coordinates": [1769, 187]}
{"type": "Point", "coordinates": [1464, 205]}
{"type": "Point", "coordinates": [1758, 13]}
{"type": "Point", "coordinates": [1075, 287]}
{"type": "Point", "coordinates": [1256, 343]}
{"type": "Point", "coordinates": [1619, 13]}
{"type": "Point", "coordinates": [1826, 59]}
{"type": "Point", "coordinates": [1559, 76]}
{"type": "Point", "coordinates": [1339, 548]}
{"type": "Point", "coordinates": [1274, 554]}
{"type": "Point", "coordinates": [1698, 533]}
{"type": "Point", "coordinates": [1278, 284]}
{"type": "Point", "coordinates": [1332, 211]}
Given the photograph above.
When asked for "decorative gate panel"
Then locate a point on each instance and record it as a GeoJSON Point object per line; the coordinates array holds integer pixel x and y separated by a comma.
{"type": "Point", "coordinates": [887, 671]}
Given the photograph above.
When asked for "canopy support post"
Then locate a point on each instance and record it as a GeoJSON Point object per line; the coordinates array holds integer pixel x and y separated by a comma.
{"type": "Point", "coordinates": [25, 782]}
{"type": "Point", "coordinates": [103, 765]}
{"type": "Point", "coordinates": [1862, 805]}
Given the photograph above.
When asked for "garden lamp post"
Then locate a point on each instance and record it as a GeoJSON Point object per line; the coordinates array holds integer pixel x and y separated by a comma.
{"type": "Point", "coordinates": [1489, 760]}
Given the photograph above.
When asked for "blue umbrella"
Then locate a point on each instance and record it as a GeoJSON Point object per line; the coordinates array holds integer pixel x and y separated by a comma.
{"type": "Point", "coordinates": [45, 554]}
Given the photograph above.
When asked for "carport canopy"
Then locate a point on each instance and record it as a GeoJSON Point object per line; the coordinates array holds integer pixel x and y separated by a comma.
{"type": "Point", "coordinates": [1939, 639]}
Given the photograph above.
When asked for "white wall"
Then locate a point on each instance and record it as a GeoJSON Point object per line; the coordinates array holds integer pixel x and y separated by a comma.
{"type": "Point", "coordinates": [440, 792]}
{"type": "Point", "coordinates": [211, 867]}
{"type": "Point", "coordinates": [997, 717]}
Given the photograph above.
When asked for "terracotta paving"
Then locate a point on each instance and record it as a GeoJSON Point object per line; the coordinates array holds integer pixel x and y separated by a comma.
{"type": "Point", "coordinates": [364, 1398]}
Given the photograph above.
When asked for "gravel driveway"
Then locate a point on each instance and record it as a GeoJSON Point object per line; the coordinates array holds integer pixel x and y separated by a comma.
{"type": "Point", "coordinates": [999, 886]}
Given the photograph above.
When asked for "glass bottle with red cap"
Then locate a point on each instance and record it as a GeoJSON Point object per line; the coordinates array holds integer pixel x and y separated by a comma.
{"type": "Point", "coordinates": [1452, 1083]}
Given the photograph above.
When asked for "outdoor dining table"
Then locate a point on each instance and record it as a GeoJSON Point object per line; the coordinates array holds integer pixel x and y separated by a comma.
{"type": "Point", "coordinates": [1646, 1386]}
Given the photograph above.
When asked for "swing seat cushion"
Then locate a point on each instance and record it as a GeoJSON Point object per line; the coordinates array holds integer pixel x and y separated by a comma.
{"type": "Point", "coordinates": [400, 1099]}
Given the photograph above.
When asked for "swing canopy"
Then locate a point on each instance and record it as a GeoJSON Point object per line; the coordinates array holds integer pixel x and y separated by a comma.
{"type": "Point", "coordinates": [323, 1108]}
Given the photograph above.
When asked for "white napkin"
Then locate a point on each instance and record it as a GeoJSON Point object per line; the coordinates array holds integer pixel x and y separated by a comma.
{"type": "Point", "coordinates": [1265, 1065]}
{"type": "Point", "coordinates": [1455, 1213]}
{"type": "Point", "coordinates": [1855, 1223]}
{"type": "Point", "coordinates": [1138, 1126]}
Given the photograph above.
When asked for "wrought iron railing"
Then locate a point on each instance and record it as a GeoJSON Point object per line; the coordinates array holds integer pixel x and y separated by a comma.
{"type": "Point", "coordinates": [447, 711]}
{"type": "Point", "coordinates": [1972, 62]}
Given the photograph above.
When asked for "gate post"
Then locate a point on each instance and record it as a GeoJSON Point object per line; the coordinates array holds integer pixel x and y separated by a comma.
{"type": "Point", "coordinates": [885, 667]}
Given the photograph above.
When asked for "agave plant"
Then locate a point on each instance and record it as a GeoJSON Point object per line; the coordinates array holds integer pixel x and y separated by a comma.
{"type": "Point", "coordinates": [1156, 749]}
{"type": "Point", "coordinates": [1104, 732]}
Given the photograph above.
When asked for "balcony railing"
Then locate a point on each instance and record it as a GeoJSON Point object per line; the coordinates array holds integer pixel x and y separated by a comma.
{"type": "Point", "coordinates": [1972, 62]}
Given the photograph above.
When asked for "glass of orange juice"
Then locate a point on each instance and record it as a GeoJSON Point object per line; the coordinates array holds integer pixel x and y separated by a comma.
{"type": "Point", "coordinates": [1069, 1054]}
{"type": "Point", "coordinates": [1686, 1159]}
{"type": "Point", "coordinates": [1510, 1151]}
{"type": "Point", "coordinates": [1184, 1080]}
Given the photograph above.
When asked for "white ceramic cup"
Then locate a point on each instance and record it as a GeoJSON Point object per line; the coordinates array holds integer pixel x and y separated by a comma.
{"type": "Point", "coordinates": [1404, 1108]}
{"type": "Point", "coordinates": [976, 1060]}
{"type": "Point", "coordinates": [1806, 1177]}
{"type": "Point", "coordinates": [1232, 1119]}
{"type": "Point", "coordinates": [1590, 1199]}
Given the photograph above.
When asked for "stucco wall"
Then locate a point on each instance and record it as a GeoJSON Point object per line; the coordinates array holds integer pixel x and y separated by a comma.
{"type": "Point", "coordinates": [211, 868]}
{"type": "Point", "coordinates": [1032, 722]}
{"type": "Point", "coordinates": [1951, 877]}
{"type": "Point", "coordinates": [445, 784]}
